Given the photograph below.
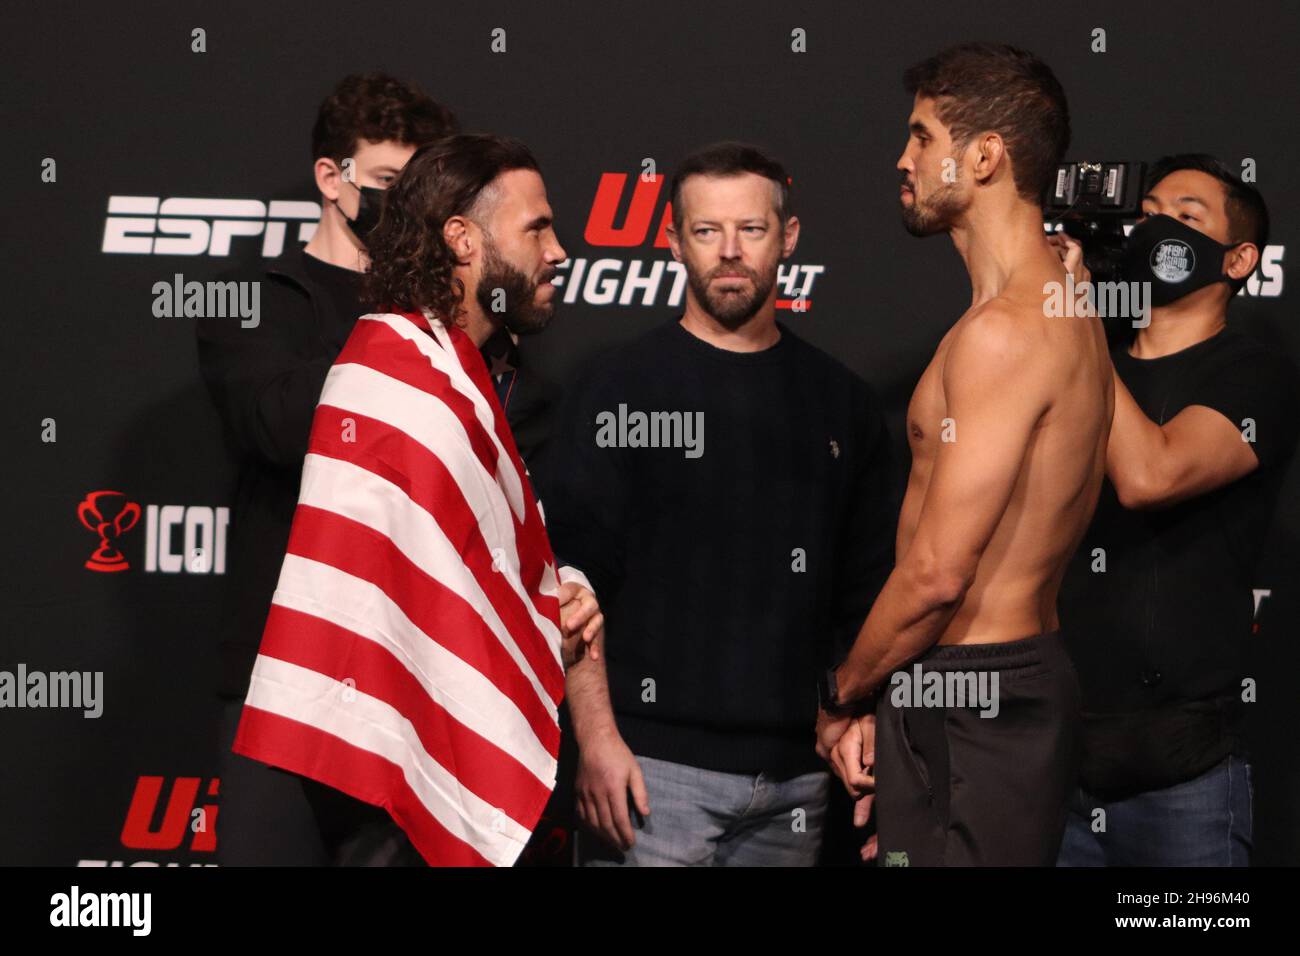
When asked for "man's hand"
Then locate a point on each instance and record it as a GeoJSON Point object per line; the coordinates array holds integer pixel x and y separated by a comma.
{"type": "Point", "coordinates": [829, 731]}
{"type": "Point", "coordinates": [580, 623]}
{"type": "Point", "coordinates": [853, 760]}
{"type": "Point", "coordinates": [607, 771]}
{"type": "Point", "coordinates": [1071, 253]}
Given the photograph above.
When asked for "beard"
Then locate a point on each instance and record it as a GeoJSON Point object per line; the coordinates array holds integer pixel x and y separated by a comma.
{"type": "Point", "coordinates": [522, 314]}
{"type": "Point", "coordinates": [936, 214]}
{"type": "Point", "coordinates": [734, 307]}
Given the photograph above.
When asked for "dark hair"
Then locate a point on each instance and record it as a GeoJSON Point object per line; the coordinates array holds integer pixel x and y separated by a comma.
{"type": "Point", "coordinates": [411, 266]}
{"type": "Point", "coordinates": [1247, 213]}
{"type": "Point", "coordinates": [993, 87]}
{"type": "Point", "coordinates": [377, 107]}
{"type": "Point", "coordinates": [731, 159]}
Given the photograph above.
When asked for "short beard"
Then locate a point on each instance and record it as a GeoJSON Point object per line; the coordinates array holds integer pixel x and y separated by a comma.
{"type": "Point", "coordinates": [731, 310]}
{"type": "Point", "coordinates": [522, 315]}
{"type": "Point", "coordinates": [937, 214]}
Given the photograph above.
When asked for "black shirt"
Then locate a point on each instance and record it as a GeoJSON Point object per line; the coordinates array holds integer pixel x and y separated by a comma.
{"type": "Point", "coordinates": [266, 381]}
{"type": "Point", "coordinates": [1160, 637]}
{"type": "Point", "coordinates": [729, 579]}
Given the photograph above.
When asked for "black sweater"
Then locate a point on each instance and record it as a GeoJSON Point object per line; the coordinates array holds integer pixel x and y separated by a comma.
{"type": "Point", "coordinates": [728, 578]}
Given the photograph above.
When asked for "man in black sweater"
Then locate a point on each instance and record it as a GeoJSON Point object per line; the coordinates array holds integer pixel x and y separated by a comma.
{"type": "Point", "coordinates": [725, 487]}
{"type": "Point", "coordinates": [265, 381]}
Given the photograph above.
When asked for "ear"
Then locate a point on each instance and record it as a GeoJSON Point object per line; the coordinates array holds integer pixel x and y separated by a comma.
{"type": "Point", "coordinates": [791, 238]}
{"type": "Point", "coordinates": [329, 178]}
{"type": "Point", "coordinates": [989, 154]}
{"type": "Point", "coordinates": [456, 233]}
{"type": "Point", "coordinates": [674, 240]}
{"type": "Point", "coordinates": [1241, 260]}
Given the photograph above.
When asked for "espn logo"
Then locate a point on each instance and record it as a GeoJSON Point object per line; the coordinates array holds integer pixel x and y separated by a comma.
{"type": "Point", "coordinates": [149, 226]}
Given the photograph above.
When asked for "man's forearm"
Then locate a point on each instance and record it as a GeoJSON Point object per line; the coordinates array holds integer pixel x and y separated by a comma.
{"type": "Point", "coordinates": [907, 618]}
{"type": "Point", "coordinates": [587, 689]}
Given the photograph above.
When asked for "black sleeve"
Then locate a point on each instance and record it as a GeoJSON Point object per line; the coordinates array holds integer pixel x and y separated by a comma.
{"type": "Point", "coordinates": [1256, 386]}
{"type": "Point", "coordinates": [266, 379]}
{"type": "Point", "coordinates": [583, 489]}
{"type": "Point", "coordinates": [867, 545]}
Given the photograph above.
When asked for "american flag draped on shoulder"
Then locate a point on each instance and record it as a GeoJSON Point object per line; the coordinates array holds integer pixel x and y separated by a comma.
{"type": "Point", "coordinates": [411, 657]}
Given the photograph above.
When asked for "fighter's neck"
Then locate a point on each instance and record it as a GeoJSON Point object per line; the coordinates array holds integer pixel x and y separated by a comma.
{"type": "Point", "coordinates": [997, 245]}
{"type": "Point", "coordinates": [472, 319]}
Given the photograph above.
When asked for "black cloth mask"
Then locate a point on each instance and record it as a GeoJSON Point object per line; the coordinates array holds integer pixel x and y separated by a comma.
{"type": "Point", "coordinates": [1175, 258]}
{"type": "Point", "coordinates": [369, 206]}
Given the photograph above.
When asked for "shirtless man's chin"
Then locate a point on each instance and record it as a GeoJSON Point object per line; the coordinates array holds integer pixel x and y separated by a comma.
{"type": "Point", "coordinates": [1008, 428]}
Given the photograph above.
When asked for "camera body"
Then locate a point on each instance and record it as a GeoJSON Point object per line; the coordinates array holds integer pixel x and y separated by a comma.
{"type": "Point", "coordinates": [1092, 200]}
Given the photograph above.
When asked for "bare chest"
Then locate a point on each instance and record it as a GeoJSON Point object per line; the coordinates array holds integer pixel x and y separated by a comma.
{"type": "Point", "coordinates": [927, 412]}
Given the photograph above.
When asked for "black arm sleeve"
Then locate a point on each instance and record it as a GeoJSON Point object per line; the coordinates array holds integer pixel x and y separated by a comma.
{"type": "Point", "coordinates": [584, 492]}
{"type": "Point", "coordinates": [1256, 390]}
{"type": "Point", "coordinates": [866, 549]}
{"type": "Point", "coordinates": [266, 379]}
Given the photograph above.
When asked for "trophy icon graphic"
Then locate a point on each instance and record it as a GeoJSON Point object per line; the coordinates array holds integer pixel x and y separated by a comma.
{"type": "Point", "coordinates": [122, 517]}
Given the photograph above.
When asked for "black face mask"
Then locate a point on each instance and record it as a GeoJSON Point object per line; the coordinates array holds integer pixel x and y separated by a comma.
{"type": "Point", "coordinates": [1175, 258]}
{"type": "Point", "coordinates": [369, 206]}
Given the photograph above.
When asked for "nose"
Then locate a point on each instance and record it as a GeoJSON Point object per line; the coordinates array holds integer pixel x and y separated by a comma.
{"type": "Point", "coordinates": [904, 165]}
{"type": "Point", "coordinates": [556, 254]}
{"type": "Point", "coordinates": [730, 244]}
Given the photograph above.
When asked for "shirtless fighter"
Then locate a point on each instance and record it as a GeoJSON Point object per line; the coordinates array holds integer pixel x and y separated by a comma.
{"type": "Point", "coordinates": [1008, 429]}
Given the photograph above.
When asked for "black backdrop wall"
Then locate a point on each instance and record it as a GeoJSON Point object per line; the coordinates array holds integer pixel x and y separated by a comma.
{"type": "Point", "coordinates": [171, 161]}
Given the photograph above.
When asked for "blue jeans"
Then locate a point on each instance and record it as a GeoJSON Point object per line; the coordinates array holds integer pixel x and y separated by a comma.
{"type": "Point", "coordinates": [707, 818]}
{"type": "Point", "coordinates": [1205, 821]}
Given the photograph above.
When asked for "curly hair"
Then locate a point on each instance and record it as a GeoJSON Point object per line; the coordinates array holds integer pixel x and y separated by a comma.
{"type": "Point", "coordinates": [377, 107]}
{"type": "Point", "coordinates": [411, 266]}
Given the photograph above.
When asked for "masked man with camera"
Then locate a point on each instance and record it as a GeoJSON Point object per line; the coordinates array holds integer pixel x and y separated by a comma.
{"type": "Point", "coordinates": [1157, 604]}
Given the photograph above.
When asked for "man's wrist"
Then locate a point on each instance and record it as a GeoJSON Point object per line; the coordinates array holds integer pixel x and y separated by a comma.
{"type": "Point", "coordinates": [832, 697]}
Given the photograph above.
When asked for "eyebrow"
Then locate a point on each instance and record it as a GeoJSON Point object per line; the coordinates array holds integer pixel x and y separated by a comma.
{"type": "Point", "coordinates": [916, 126]}
{"type": "Point", "coordinates": [538, 222]}
{"type": "Point", "coordinates": [747, 221]}
{"type": "Point", "coordinates": [1200, 202]}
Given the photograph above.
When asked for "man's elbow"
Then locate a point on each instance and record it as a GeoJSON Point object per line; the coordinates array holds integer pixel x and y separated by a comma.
{"type": "Point", "coordinates": [1141, 490]}
{"type": "Point", "coordinates": [942, 582]}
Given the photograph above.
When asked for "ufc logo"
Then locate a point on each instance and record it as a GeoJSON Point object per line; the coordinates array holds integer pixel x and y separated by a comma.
{"type": "Point", "coordinates": [179, 817]}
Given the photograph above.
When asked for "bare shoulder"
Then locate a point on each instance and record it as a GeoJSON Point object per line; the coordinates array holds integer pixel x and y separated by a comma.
{"type": "Point", "coordinates": [998, 335]}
